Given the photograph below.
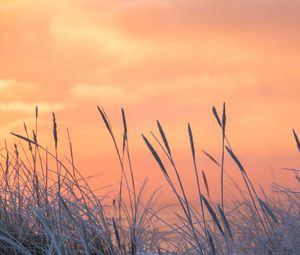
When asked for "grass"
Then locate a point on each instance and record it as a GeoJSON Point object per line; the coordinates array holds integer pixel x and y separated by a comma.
{"type": "Point", "coordinates": [48, 207]}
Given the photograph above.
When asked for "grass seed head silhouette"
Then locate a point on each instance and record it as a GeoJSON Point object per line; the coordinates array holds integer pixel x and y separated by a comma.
{"type": "Point", "coordinates": [48, 209]}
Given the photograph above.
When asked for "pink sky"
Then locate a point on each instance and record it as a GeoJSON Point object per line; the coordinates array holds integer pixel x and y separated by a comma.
{"type": "Point", "coordinates": [163, 59]}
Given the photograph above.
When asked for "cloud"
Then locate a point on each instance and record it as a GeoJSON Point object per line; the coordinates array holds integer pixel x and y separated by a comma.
{"type": "Point", "coordinates": [6, 83]}
{"type": "Point", "coordinates": [168, 90]}
{"type": "Point", "coordinates": [77, 29]}
{"type": "Point", "coordinates": [29, 107]}
{"type": "Point", "coordinates": [106, 93]}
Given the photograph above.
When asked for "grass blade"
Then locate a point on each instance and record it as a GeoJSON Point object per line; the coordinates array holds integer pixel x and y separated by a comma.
{"type": "Point", "coordinates": [224, 118]}
{"type": "Point", "coordinates": [268, 210]}
{"type": "Point", "coordinates": [225, 222]}
{"type": "Point", "coordinates": [191, 141]}
{"type": "Point", "coordinates": [23, 138]}
{"type": "Point", "coordinates": [125, 128]}
{"type": "Point", "coordinates": [103, 115]}
{"type": "Point", "coordinates": [155, 155]}
{"type": "Point", "coordinates": [164, 138]}
{"type": "Point", "coordinates": [55, 130]}
{"type": "Point", "coordinates": [296, 139]}
{"type": "Point", "coordinates": [211, 158]}
{"type": "Point", "coordinates": [211, 243]}
{"type": "Point", "coordinates": [213, 214]}
{"type": "Point", "coordinates": [234, 157]}
{"type": "Point", "coordinates": [205, 183]}
{"type": "Point", "coordinates": [116, 233]}
{"type": "Point", "coordinates": [214, 110]}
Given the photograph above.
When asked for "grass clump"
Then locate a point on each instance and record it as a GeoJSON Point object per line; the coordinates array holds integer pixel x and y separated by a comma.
{"type": "Point", "coordinates": [48, 207]}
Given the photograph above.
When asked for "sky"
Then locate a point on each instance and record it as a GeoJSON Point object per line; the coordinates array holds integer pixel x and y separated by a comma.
{"type": "Point", "coordinates": [159, 59]}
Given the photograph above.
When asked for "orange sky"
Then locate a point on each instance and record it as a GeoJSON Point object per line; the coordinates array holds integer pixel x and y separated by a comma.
{"type": "Point", "coordinates": [159, 59]}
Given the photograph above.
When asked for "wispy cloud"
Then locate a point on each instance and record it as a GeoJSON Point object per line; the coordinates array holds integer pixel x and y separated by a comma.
{"type": "Point", "coordinates": [8, 83]}
{"type": "Point", "coordinates": [29, 107]}
{"type": "Point", "coordinates": [108, 94]}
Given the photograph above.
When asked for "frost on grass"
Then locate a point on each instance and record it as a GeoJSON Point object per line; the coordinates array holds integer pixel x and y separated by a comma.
{"type": "Point", "coordinates": [48, 207]}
